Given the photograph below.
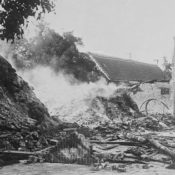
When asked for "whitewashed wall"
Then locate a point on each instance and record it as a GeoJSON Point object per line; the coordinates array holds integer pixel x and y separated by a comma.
{"type": "Point", "coordinates": [154, 91]}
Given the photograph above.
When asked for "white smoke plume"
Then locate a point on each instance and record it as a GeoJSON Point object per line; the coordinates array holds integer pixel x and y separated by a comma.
{"type": "Point", "coordinates": [67, 100]}
{"type": "Point", "coordinates": [5, 49]}
{"type": "Point", "coordinates": [62, 94]}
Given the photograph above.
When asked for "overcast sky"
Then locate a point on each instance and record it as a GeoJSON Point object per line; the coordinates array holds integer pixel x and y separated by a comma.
{"type": "Point", "coordinates": [144, 28]}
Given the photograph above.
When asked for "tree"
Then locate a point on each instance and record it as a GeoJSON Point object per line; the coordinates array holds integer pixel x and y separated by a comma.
{"type": "Point", "coordinates": [14, 14]}
{"type": "Point", "coordinates": [59, 52]}
{"type": "Point", "coordinates": [47, 48]}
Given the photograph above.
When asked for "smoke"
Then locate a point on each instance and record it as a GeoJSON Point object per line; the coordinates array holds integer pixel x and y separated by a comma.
{"type": "Point", "coordinates": [63, 95]}
{"type": "Point", "coordinates": [5, 49]}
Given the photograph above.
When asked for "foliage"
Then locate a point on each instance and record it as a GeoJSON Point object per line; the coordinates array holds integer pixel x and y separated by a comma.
{"type": "Point", "coordinates": [167, 69]}
{"type": "Point", "coordinates": [49, 48]}
{"type": "Point", "coordinates": [14, 13]}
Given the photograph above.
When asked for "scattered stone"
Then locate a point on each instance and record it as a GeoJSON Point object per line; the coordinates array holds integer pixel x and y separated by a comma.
{"type": "Point", "coordinates": [172, 166]}
{"type": "Point", "coordinates": [146, 166]}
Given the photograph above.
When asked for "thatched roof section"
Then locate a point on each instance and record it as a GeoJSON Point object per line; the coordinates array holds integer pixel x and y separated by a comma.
{"type": "Point", "coordinates": [117, 69]}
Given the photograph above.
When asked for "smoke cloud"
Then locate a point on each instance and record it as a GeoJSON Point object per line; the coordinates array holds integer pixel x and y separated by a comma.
{"type": "Point", "coordinates": [63, 95]}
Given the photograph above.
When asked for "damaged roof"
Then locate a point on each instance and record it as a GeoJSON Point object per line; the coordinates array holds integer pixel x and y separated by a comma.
{"type": "Point", "coordinates": [117, 69]}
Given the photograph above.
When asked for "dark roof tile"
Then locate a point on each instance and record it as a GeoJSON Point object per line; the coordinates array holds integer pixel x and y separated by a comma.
{"type": "Point", "coordinates": [117, 69]}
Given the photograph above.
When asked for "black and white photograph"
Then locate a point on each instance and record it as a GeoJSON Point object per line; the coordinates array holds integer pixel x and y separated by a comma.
{"type": "Point", "coordinates": [87, 87]}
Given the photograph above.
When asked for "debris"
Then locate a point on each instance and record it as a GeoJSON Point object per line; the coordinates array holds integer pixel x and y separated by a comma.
{"type": "Point", "coordinates": [161, 148]}
{"type": "Point", "coordinates": [145, 166]}
{"type": "Point", "coordinates": [119, 168]}
{"type": "Point", "coordinates": [171, 166]}
{"type": "Point", "coordinates": [114, 134]}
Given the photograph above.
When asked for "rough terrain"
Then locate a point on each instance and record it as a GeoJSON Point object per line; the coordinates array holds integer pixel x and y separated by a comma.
{"type": "Point", "coordinates": [22, 115]}
{"type": "Point", "coordinates": [72, 169]}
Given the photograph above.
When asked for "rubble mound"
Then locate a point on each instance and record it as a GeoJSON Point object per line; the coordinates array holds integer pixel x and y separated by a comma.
{"type": "Point", "coordinates": [92, 112]}
{"type": "Point", "coordinates": [21, 112]}
{"type": "Point", "coordinates": [18, 102]}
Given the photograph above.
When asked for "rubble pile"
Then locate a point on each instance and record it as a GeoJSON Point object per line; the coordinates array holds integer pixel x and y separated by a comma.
{"type": "Point", "coordinates": [134, 141]}
{"type": "Point", "coordinates": [22, 115]}
{"type": "Point", "coordinates": [94, 111]}
{"type": "Point", "coordinates": [18, 102]}
{"type": "Point", "coordinates": [114, 145]}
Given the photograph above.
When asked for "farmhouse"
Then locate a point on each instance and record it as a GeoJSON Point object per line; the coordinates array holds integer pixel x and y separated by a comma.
{"type": "Point", "coordinates": [117, 69]}
{"type": "Point", "coordinates": [154, 84]}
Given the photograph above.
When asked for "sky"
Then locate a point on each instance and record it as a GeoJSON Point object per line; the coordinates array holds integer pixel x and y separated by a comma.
{"type": "Point", "coordinates": [142, 30]}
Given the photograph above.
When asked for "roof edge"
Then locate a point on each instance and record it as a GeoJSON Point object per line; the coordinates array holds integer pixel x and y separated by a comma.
{"type": "Point", "coordinates": [121, 59]}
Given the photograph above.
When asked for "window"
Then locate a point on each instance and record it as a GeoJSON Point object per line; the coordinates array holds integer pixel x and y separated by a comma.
{"type": "Point", "coordinates": [165, 91]}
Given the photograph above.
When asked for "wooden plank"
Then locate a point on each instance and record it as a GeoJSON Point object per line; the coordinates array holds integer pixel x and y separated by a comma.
{"type": "Point", "coordinates": [117, 142]}
{"type": "Point", "coordinates": [14, 152]}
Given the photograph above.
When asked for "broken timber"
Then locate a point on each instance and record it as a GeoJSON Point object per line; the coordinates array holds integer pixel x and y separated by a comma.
{"type": "Point", "coordinates": [117, 142]}
{"type": "Point", "coordinates": [15, 155]}
{"type": "Point", "coordinates": [152, 143]}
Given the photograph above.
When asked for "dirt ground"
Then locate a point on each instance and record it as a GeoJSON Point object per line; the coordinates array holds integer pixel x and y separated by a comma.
{"type": "Point", "coordinates": [69, 169]}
